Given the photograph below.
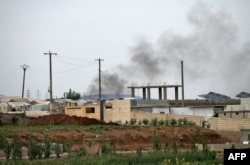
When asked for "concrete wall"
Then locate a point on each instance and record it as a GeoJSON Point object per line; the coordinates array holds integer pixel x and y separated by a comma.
{"type": "Point", "coordinates": [161, 110]}
{"type": "Point", "coordinates": [244, 105]}
{"type": "Point", "coordinates": [234, 114]}
{"type": "Point", "coordinates": [84, 111]}
{"type": "Point", "coordinates": [201, 111]}
{"type": "Point", "coordinates": [152, 103]}
{"type": "Point", "coordinates": [244, 135]}
{"type": "Point", "coordinates": [221, 147]}
{"type": "Point", "coordinates": [117, 111]}
{"type": "Point", "coordinates": [216, 123]}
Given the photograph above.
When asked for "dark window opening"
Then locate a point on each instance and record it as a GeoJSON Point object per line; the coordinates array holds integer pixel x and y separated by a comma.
{"type": "Point", "coordinates": [237, 113]}
{"type": "Point", "coordinates": [225, 114]}
{"type": "Point", "coordinates": [90, 110]}
{"type": "Point", "coordinates": [248, 137]}
{"type": "Point", "coordinates": [108, 106]}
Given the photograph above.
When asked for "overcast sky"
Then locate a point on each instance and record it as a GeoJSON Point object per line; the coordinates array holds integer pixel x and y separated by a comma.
{"type": "Point", "coordinates": [141, 42]}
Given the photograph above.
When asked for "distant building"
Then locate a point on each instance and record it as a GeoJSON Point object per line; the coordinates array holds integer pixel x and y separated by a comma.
{"type": "Point", "coordinates": [237, 111]}
{"type": "Point", "coordinates": [87, 110]}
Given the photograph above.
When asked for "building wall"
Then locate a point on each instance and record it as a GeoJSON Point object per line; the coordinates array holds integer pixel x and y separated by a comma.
{"type": "Point", "coordinates": [244, 135]}
{"type": "Point", "coordinates": [117, 111]}
{"type": "Point", "coordinates": [4, 108]}
{"type": "Point", "coordinates": [244, 105]}
{"type": "Point", "coordinates": [88, 110]}
{"type": "Point", "coordinates": [234, 114]}
{"type": "Point", "coordinates": [161, 110]}
{"type": "Point", "coordinates": [201, 111]}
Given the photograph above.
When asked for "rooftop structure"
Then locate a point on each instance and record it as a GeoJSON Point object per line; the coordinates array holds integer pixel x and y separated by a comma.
{"type": "Point", "coordinates": [162, 91]}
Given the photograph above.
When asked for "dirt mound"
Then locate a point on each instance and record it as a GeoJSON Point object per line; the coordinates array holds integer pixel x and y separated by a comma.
{"type": "Point", "coordinates": [61, 119]}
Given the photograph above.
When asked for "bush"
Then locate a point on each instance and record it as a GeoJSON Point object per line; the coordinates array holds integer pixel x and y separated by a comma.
{"type": "Point", "coordinates": [57, 148]}
{"type": "Point", "coordinates": [145, 121]}
{"type": "Point", "coordinates": [180, 122]}
{"type": "Point", "coordinates": [139, 150]}
{"type": "Point", "coordinates": [81, 151]}
{"type": "Point", "coordinates": [106, 149]}
{"type": "Point", "coordinates": [154, 122]}
{"type": "Point", "coordinates": [133, 121]}
{"type": "Point", "coordinates": [16, 148]}
{"type": "Point", "coordinates": [156, 142]}
{"type": "Point", "coordinates": [173, 122]}
{"type": "Point", "coordinates": [68, 146]}
{"type": "Point", "coordinates": [161, 122]}
{"type": "Point", "coordinates": [14, 119]}
{"type": "Point", "coordinates": [35, 149]}
{"type": "Point", "coordinates": [47, 146]}
{"type": "Point", "coordinates": [166, 122]}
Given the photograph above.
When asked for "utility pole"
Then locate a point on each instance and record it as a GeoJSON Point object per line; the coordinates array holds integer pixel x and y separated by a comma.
{"type": "Point", "coordinates": [50, 66]}
{"type": "Point", "coordinates": [182, 83]}
{"type": "Point", "coordinates": [24, 70]}
{"type": "Point", "coordinates": [100, 89]}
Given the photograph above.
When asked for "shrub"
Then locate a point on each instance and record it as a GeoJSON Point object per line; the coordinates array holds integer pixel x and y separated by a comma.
{"type": "Point", "coordinates": [81, 151]}
{"type": "Point", "coordinates": [173, 122]}
{"type": "Point", "coordinates": [175, 147]}
{"type": "Point", "coordinates": [57, 148]}
{"type": "Point", "coordinates": [193, 147]}
{"type": "Point", "coordinates": [156, 142]}
{"type": "Point", "coordinates": [106, 149]}
{"type": "Point", "coordinates": [133, 121]}
{"type": "Point", "coordinates": [145, 121]}
{"type": "Point", "coordinates": [68, 146]}
{"type": "Point", "coordinates": [166, 122]}
{"type": "Point", "coordinates": [185, 121]}
{"type": "Point", "coordinates": [139, 150]}
{"type": "Point", "coordinates": [7, 149]}
{"type": "Point", "coordinates": [154, 122]}
{"type": "Point", "coordinates": [34, 148]}
{"type": "Point", "coordinates": [166, 148]}
{"type": "Point", "coordinates": [16, 148]}
{"type": "Point", "coordinates": [180, 122]}
{"type": "Point", "coordinates": [161, 122]}
{"type": "Point", "coordinates": [14, 119]}
{"type": "Point", "coordinates": [47, 146]}
{"type": "Point", "coordinates": [2, 141]}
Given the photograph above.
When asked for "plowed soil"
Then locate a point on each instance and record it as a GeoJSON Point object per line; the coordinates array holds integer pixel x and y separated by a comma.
{"type": "Point", "coordinates": [61, 119]}
{"type": "Point", "coordinates": [121, 137]}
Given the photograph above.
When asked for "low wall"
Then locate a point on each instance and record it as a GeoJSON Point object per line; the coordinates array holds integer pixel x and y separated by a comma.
{"type": "Point", "coordinates": [216, 123]}
{"type": "Point", "coordinates": [221, 147]}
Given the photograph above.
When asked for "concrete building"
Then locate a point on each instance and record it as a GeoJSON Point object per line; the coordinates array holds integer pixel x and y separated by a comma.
{"type": "Point", "coordinates": [237, 111]}
{"type": "Point", "coordinates": [87, 110]}
{"type": "Point", "coordinates": [117, 110]}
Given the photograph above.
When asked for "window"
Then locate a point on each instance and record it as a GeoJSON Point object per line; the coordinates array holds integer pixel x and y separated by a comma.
{"type": "Point", "coordinates": [90, 110]}
{"type": "Point", "coordinates": [248, 137]}
{"type": "Point", "coordinates": [108, 105]}
{"type": "Point", "coordinates": [225, 114]}
{"type": "Point", "coordinates": [237, 113]}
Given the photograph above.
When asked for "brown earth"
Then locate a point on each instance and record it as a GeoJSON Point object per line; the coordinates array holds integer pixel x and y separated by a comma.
{"type": "Point", "coordinates": [120, 137]}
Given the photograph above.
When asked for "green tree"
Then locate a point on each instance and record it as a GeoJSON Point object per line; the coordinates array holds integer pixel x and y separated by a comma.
{"type": "Point", "coordinates": [72, 95]}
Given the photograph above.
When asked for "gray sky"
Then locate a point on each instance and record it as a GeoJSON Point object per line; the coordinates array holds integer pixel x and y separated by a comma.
{"type": "Point", "coordinates": [141, 42]}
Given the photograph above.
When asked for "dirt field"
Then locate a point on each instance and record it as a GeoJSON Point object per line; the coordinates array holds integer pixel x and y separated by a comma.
{"type": "Point", "coordinates": [120, 137]}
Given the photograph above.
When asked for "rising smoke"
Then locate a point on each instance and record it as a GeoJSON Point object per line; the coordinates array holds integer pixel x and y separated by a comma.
{"type": "Point", "coordinates": [213, 58]}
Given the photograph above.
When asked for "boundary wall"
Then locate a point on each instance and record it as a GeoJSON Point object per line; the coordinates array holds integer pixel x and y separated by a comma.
{"type": "Point", "coordinates": [216, 123]}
